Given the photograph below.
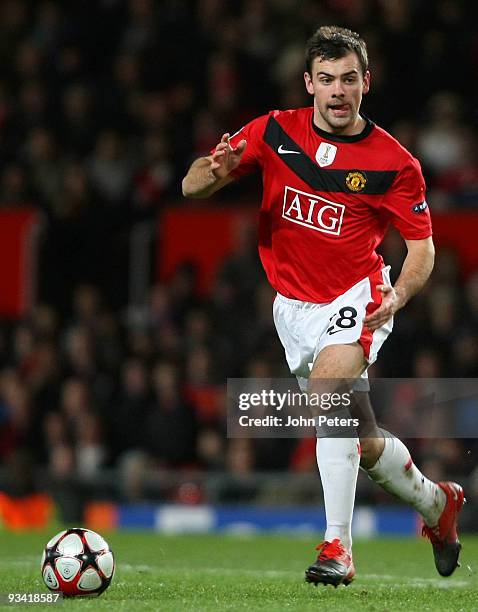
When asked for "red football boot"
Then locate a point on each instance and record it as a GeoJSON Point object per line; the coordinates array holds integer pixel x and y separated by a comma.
{"type": "Point", "coordinates": [334, 565]}
{"type": "Point", "coordinates": [444, 537]}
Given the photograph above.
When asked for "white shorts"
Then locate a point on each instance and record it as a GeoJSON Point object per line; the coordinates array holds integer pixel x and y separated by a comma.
{"type": "Point", "coordinates": [305, 328]}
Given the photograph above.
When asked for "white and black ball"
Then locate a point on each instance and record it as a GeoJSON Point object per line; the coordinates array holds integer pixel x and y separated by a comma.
{"type": "Point", "coordinates": [77, 562]}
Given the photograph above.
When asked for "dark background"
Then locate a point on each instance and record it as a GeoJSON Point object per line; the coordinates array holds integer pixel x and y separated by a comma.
{"type": "Point", "coordinates": [103, 106]}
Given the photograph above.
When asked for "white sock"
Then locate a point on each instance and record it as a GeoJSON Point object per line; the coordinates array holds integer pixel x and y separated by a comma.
{"type": "Point", "coordinates": [397, 474]}
{"type": "Point", "coordinates": [338, 460]}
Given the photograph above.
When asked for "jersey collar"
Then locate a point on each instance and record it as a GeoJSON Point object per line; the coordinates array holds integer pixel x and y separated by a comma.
{"type": "Point", "coordinates": [369, 125]}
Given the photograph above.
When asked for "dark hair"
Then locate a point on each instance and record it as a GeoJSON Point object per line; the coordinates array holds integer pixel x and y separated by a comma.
{"type": "Point", "coordinates": [332, 42]}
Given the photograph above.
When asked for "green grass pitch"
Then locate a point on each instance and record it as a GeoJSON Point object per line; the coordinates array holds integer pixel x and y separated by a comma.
{"type": "Point", "coordinates": [215, 572]}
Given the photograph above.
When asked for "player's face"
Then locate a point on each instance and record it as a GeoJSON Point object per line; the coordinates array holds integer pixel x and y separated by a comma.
{"type": "Point", "coordinates": [337, 86]}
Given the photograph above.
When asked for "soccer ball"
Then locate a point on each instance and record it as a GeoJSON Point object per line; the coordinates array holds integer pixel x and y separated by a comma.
{"type": "Point", "coordinates": [77, 562]}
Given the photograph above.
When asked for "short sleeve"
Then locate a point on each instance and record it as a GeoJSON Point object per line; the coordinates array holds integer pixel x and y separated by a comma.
{"type": "Point", "coordinates": [405, 203]}
{"type": "Point", "coordinates": [253, 133]}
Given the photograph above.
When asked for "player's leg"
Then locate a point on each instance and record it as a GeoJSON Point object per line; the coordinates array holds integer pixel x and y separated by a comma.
{"type": "Point", "coordinates": [388, 462]}
{"type": "Point", "coordinates": [338, 461]}
{"type": "Point", "coordinates": [337, 457]}
{"type": "Point", "coordinates": [371, 438]}
{"type": "Point", "coordinates": [342, 353]}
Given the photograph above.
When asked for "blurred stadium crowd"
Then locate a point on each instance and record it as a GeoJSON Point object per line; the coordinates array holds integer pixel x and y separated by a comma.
{"type": "Point", "coordinates": [103, 106]}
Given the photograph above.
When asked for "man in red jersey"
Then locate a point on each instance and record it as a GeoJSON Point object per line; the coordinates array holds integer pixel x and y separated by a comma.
{"type": "Point", "coordinates": [333, 182]}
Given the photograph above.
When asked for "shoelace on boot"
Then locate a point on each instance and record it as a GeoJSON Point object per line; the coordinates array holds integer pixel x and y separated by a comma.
{"type": "Point", "coordinates": [330, 550]}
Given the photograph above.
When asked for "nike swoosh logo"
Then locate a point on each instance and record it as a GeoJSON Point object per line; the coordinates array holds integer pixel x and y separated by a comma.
{"type": "Point", "coordinates": [283, 151]}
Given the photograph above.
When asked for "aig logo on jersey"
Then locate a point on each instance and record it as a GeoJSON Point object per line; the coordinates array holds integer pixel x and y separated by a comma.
{"type": "Point", "coordinates": [325, 154]}
{"type": "Point", "coordinates": [312, 211]}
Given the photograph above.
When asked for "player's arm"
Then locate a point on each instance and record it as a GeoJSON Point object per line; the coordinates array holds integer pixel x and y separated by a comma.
{"type": "Point", "coordinates": [416, 269]}
{"type": "Point", "coordinates": [415, 272]}
{"type": "Point", "coordinates": [209, 174]}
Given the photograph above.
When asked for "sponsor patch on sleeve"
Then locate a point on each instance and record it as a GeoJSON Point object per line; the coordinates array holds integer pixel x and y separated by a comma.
{"type": "Point", "coordinates": [418, 208]}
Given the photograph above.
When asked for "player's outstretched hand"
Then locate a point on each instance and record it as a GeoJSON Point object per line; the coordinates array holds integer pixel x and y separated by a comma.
{"type": "Point", "coordinates": [225, 159]}
{"type": "Point", "coordinates": [387, 308]}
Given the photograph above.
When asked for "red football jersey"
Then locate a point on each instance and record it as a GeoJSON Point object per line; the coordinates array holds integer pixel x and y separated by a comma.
{"type": "Point", "coordinates": [328, 201]}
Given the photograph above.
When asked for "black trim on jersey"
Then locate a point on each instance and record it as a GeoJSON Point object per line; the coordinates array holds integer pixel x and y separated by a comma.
{"type": "Point", "coordinates": [377, 182]}
{"type": "Point", "coordinates": [369, 125]}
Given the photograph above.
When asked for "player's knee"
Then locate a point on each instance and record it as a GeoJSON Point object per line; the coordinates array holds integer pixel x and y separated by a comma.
{"type": "Point", "coordinates": [371, 449]}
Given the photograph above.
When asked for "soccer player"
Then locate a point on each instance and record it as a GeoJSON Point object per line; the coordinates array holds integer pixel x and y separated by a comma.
{"type": "Point", "coordinates": [333, 181]}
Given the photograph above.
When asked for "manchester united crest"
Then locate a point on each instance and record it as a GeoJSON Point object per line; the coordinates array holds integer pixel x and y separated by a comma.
{"type": "Point", "coordinates": [356, 181]}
